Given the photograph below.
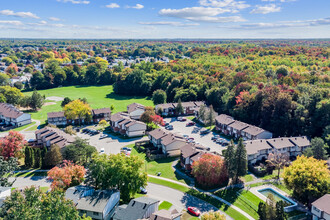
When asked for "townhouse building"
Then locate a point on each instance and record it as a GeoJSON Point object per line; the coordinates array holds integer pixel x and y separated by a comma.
{"type": "Point", "coordinates": [11, 116]}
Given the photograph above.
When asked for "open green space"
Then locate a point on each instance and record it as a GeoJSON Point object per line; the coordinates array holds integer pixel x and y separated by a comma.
{"type": "Point", "coordinates": [161, 165]}
{"type": "Point", "coordinates": [243, 199]}
{"type": "Point", "coordinates": [30, 173]}
{"type": "Point", "coordinates": [165, 205]}
{"type": "Point", "coordinates": [97, 97]}
{"type": "Point", "coordinates": [248, 178]}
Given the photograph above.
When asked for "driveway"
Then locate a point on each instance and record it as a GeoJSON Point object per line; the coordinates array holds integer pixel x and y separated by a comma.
{"type": "Point", "coordinates": [22, 182]}
{"type": "Point", "coordinates": [111, 144]}
{"type": "Point", "coordinates": [193, 131]}
{"type": "Point", "coordinates": [179, 199]}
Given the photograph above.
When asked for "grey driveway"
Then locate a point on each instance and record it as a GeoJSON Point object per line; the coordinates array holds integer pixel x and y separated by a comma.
{"type": "Point", "coordinates": [22, 182]}
{"type": "Point", "coordinates": [193, 131]}
{"type": "Point", "coordinates": [179, 199]}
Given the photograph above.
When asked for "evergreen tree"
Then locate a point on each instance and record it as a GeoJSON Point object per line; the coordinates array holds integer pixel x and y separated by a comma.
{"type": "Point", "coordinates": [36, 101]}
{"type": "Point", "coordinates": [53, 157]}
{"type": "Point", "coordinates": [201, 113]}
{"type": "Point", "coordinates": [280, 214]}
{"type": "Point", "coordinates": [230, 160]}
{"type": "Point", "coordinates": [43, 156]}
{"type": "Point", "coordinates": [179, 108]}
{"type": "Point", "coordinates": [262, 211]}
{"type": "Point", "coordinates": [210, 117]}
{"type": "Point", "coordinates": [27, 157]}
{"type": "Point", "coordinates": [241, 159]}
{"type": "Point", "coordinates": [37, 158]}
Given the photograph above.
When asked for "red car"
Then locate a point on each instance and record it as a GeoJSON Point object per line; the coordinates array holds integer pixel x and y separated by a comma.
{"type": "Point", "coordinates": [194, 211]}
{"type": "Point", "coordinates": [190, 124]}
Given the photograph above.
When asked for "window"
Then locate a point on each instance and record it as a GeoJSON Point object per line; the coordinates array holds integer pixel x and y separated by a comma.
{"type": "Point", "coordinates": [96, 213]}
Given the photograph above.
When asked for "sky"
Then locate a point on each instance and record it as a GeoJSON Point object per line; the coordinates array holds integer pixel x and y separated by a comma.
{"type": "Point", "coordinates": [157, 19]}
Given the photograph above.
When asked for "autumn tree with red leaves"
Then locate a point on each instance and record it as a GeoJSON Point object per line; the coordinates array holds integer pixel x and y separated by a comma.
{"type": "Point", "coordinates": [158, 120]}
{"type": "Point", "coordinates": [66, 175]}
{"type": "Point", "coordinates": [210, 170]}
{"type": "Point", "coordinates": [12, 145]}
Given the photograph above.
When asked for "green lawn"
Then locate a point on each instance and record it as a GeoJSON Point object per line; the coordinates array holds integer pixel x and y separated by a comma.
{"type": "Point", "coordinates": [248, 178]}
{"type": "Point", "coordinates": [168, 184]}
{"type": "Point", "coordinates": [165, 205]}
{"type": "Point", "coordinates": [244, 200]}
{"type": "Point", "coordinates": [30, 174]}
{"type": "Point", "coordinates": [97, 97]}
{"type": "Point", "coordinates": [162, 165]}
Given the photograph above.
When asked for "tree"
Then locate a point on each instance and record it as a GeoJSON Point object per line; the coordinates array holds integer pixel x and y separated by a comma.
{"type": "Point", "coordinates": [12, 145]}
{"type": "Point", "coordinates": [103, 123]}
{"type": "Point", "coordinates": [201, 113]}
{"type": "Point", "coordinates": [157, 119]}
{"type": "Point", "coordinates": [112, 107]}
{"type": "Point", "coordinates": [280, 214]}
{"type": "Point", "coordinates": [317, 150]}
{"type": "Point", "coordinates": [12, 95]}
{"type": "Point", "coordinates": [37, 158]}
{"type": "Point", "coordinates": [31, 203]}
{"type": "Point", "coordinates": [4, 79]}
{"type": "Point", "coordinates": [241, 160]}
{"type": "Point", "coordinates": [69, 130]}
{"type": "Point", "coordinates": [230, 160]}
{"type": "Point", "coordinates": [77, 110]}
{"type": "Point", "coordinates": [65, 101]}
{"type": "Point", "coordinates": [28, 157]}
{"type": "Point", "coordinates": [66, 175]}
{"type": "Point", "coordinates": [37, 100]}
{"type": "Point", "coordinates": [19, 85]}
{"type": "Point", "coordinates": [7, 168]}
{"type": "Point", "coordinates": [159, 97]}
{"type": "Point", "coordinates": [309, 178]}
{"type": "Point", "coordinates": [117, 171]}
{"type": "Point", "coordinates": [271, 210]}
{"type": "Point", "coordinates": [278, 160]}
{"type": "Point", "coordinates": [79, 152]}
{"type": "Point", "coordinates": [179, 108]}
{"type": "Point", "coordinates": [210, 117]}
{"type": "Point", "coordinates": [210, 170]}
{"type": "Point", "coordinates": [213, 216]}
{"type": "Point", "coordinates": [53, 157]}
{"type": "Point", "coordinates": [146, 117]}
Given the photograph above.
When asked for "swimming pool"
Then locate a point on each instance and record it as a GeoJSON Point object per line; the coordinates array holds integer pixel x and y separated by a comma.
{"type": "Point", "coordinates": [290, 205]}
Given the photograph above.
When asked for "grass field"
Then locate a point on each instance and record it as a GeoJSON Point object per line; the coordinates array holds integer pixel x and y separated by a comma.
{"type": "Point", "coordinates": [97, 97]}
{"type": "Point", "coordinates": [162, 165]}
{"type": "Point", "coordinates": [165, 205]}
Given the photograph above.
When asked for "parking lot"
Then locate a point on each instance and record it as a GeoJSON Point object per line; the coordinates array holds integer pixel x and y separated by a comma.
{"type": "Point", "coordinates": [111, 144]}
{"type": "Point", "coordinates": [194, 132]}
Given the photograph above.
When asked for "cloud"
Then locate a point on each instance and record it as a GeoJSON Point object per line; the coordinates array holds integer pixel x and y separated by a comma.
{"type": "Point", "coordinates": [75, 1]}
{"type": "Point", "coordinates": [112, 5]}
{"type": "Point", "coordinates": [285, 24]}
{"type": "Point", "coordinates": [137, 6]}
{"type": "Point", "coordinates": [54, 19]}
{"type": "Point", "coordinates": [265, 9]}
{"type": "Point", "coordinates": [202, 14]}
{"type": "Point", "coordinates": [17, 23]}
{"type": "Point", "coordinates": [279, 0]}
{"type": "Point", "coordinates": [171, 23]}
{"type": "Point", "coordinates": [229, 4]}
{"type": "Point", "coordinates": [19, 14]}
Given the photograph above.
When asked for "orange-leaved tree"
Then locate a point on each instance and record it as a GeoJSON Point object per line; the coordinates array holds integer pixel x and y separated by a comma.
{"type": "Point", "coordinates": [12, 145]}
{"type": "Point", "coordinates": [66, 175]}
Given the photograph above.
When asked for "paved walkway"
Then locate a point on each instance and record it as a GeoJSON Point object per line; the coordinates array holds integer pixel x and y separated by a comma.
{"type": "Point", "coordinates": [37, 123]}
{"type": "Point", "coordinates": [209, 194]}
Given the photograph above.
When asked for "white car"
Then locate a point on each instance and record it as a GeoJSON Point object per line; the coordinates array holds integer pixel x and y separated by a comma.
{"type": "Point", "coordinates": [102, 151]}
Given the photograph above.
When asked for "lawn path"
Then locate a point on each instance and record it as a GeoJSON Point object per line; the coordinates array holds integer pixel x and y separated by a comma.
{"type": "Point", "coordinates": [37, 123]}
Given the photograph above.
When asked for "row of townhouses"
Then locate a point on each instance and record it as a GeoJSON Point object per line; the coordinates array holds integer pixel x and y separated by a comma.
{"type": "Point", "coordinates": [227, 125]}
{"type": "Point", "coordinates": [48, 136]}
{"type": "Point", "coordinates": [11, 116]}
{"type": "Point", "coordinates": [189, 108]}
{"type": "Point", "coordinates": [59, 119]}
{"type": "Point", "coordinates": [122, 123]}
{"type": "Point", "coordinates": [259, 149]}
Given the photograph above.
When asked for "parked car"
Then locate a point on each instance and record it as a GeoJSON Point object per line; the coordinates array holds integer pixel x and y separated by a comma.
{"type": "Point", "coordinates": [181, 119]}
{"type": "Point", "coordinates": [190, 124]}
{"type": "Point", "coordinates": [143, 190]}
{"type": "Point", "coordinates": [84, 130]}
{"type": "Point", "coordinates": [102, 151]}
{"type": "Point", "coordinates": [127, 149]}
{"type": "Point", "coordinates": [220, 140]}
{"type": "Point", "coordinates": [169, 127]}
{"type": "Point", "coordinates": [225, 143]}
{"type": "Point", "coordinates": [215, 137]}
{"type": "Point", "coordinates": [194, 211]}
{"type": "Point", "coordinates": [191, 138]}
{"type": "Point", "coordinates": [205, 131]}
{"type": "Point", "coordinates": [167, 124]}
{"type": "Point", "coordinates": [103, 136]}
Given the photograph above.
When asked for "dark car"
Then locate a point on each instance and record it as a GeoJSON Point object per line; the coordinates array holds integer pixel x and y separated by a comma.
{"type": "Point", "coordinates": [143, 190]}
{"type": "Point", "coordinates": [194, 211]}
{"type": "Point", "coordinates": [190, 124]}
{"type": "Point", "coordinates": [205, 131]}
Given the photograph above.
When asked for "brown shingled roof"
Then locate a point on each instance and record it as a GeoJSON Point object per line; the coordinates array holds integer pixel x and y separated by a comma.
{"type": "Point", "coordinates": [118, 116]}
{"type": "Point", "coordinates": [300, 141]}
{"type": "Point", "coordinates": [253, 130]}
{"type": "Point", "coordinates": [101, 111]}
{"type": "Point", "coordinates": [253, 146]}
{"type": "Point", "coordinates": [224, 119]}
{"type": "Point", "coordinates": [55, 114]}
{"type": "Point", "coordinates": [134, 106]}
{"type": "Point", "coordinates": [323, 203]}
{"type": "Point", "coordinates": [9, 111]}
{"type": "Point", "coordinates": [238, 125]}
{"type": "Point", "coordinates": [158, 133]}
{"type": "Point", "coordinates": [282, 142]}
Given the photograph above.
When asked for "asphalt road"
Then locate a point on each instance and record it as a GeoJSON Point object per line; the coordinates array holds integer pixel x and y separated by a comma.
{"type": "Point", "coordinates": [193, 131]}
{"type": "Point", "coordinates": [179, 199]}
{"type": "Point", "coordinates": [22, 182]}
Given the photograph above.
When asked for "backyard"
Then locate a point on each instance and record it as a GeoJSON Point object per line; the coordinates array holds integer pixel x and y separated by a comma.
{"type": "Point", "coordinates": [97, 97]}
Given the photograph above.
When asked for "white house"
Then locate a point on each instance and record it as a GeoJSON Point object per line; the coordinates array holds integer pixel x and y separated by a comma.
{"type": "Point", "coordinates": [171, 144]}
{"type": "Point", "coordinates": [4, 192]}
{"type": "Point", "coordinates": [321, 208]}
{"type": "Point", "coordinates": [135, 110]}
{"type": "Point", "coordinates": [257, 150]}
{"type": "Point", "coordinates": [135, 128]}
{"type": "Point", "coordinates": [11, 116]}
{"type": "Point", "coordinates": [97, 204]}
{"type": "Point", "coordinates": [155, 136]}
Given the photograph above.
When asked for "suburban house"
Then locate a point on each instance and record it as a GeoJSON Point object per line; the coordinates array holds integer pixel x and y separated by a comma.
{"type": "Point", "coordinates": [97, 204]}
{"type": "Point", "coordinates": [4, 192]}
{"type": "Point", "coordinates": [11, 116]}
{"type": "Point", "coordinates": [171, 144]}
{"type": "Point", "coordinates": [259, 149]}
{"type": "Point", "coordinates": [189, 108]}
{"type": "Point", "coordinates": [122, 123]}
{"type": "Point", "coordinates": [166, 215]}
{"type": "Point", "coordinates": [135, 110]}
{"type": "Point", "coordinates": [155, 136]}
{"type": "Point", "coordinates": [321, 208]}
{"type": "Point", "coordinates": [229, 126]}
{"type": "Point", "coordinates": [48, 136]}
{"type": "Point", "coordinates": [58, 118]}
{"type": "Point", "coordinates": [190, 153]}
{"type": "Point", "coordinates": [138, 208]}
